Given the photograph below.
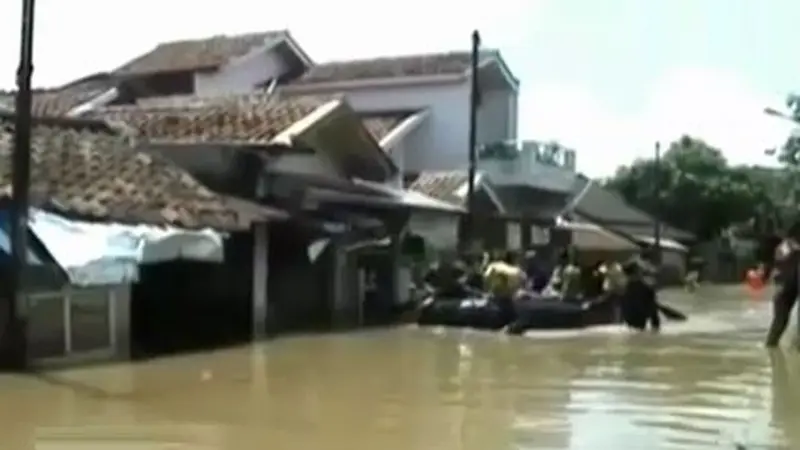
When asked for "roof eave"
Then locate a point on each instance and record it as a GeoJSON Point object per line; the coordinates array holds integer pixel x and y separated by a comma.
{"type": "Point", "coordinates": [497, 60]}
{"type": "Point", "coordinates": [288, 40]}
{"type": "Point", "coordinates": [446, 78]}
{"type": "Point", "coordinates": [403, 129]}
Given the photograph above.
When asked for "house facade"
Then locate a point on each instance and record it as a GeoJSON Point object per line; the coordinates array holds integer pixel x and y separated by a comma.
{"type": "Point", "coordinates": [430, 96]}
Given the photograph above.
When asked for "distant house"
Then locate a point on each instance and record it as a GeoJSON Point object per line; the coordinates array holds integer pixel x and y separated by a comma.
{"type": "Point", "coordinates": [608, 209]}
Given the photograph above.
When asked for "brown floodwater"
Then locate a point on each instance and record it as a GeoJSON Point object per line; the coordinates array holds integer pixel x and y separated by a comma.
{"type": "Point", "coordinates": [703, 384]}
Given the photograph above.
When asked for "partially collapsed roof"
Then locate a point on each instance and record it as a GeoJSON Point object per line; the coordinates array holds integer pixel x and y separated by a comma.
{"type": "Point", "coordinates": [84, 169]}
{"type": "Point", "coordinates": [197, 54]}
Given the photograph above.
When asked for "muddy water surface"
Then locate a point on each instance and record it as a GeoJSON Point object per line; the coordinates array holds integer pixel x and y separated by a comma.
{"type": "Point", "coordinates": [705, 384]}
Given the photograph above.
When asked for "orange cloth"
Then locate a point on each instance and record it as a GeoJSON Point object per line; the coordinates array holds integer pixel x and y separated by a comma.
{"type": "Point", "coordinates": [754, 284]}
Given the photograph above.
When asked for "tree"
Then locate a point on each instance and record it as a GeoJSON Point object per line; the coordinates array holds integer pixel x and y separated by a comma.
{"type": "Point", "coordinates": [698, 190]}
{"type": "Point", "coordinates": [789, 153]}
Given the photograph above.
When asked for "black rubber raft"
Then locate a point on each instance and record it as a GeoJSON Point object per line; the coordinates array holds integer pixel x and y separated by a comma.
{"type": "Point", "coordinates": [539, 314]}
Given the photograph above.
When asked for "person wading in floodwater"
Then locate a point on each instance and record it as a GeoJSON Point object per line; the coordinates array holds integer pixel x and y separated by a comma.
{"type": "Point", "coordinates": [787, 257]}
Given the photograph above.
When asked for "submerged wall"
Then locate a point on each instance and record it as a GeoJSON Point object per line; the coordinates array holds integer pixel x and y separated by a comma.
{"type": "Point", "coordinates": [78, 325]}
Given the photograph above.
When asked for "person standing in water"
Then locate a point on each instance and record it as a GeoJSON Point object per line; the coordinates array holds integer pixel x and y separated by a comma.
{"type": "Point", "coordinates": [787, 258]}
{"type": "Point", "coordinates": [639, 305]}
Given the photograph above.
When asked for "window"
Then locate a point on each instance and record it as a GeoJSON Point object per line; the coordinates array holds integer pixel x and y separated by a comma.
{"type": "Point", "coordinates": [90, 327]}
{"type": "Point", "coordinates": [46, 326]}
{"type": "Point", "coordinates": [65, 323]}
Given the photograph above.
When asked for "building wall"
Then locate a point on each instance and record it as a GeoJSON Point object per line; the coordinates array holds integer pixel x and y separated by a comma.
{"type": "Point", "coordinates": [242, 74]}
{"type": "Point", "coordinates": [441, 141]}
{"type": "Point", "coordinates": [497, 116]}
{"type": "Point", "coordinates": [438, 230]}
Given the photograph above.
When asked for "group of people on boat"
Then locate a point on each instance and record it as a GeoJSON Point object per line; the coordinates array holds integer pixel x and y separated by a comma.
{"type": "Point", "coordinates": [508, 280]}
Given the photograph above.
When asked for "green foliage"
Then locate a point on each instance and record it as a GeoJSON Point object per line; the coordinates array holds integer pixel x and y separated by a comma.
{"type": "Point", "coordinates": [698, 190]}
{"type": "Point", "coordinates": [789, 153]}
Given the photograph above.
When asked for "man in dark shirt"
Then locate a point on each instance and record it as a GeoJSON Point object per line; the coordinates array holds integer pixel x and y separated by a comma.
{"type": "Point", "coordinates": [787, 258]}
{"type": "Point", "coordinates": [639, 305]}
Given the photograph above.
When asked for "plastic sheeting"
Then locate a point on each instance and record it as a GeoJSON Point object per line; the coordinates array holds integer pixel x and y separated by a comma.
{"type": "Point", "coordinates": [97, 254]}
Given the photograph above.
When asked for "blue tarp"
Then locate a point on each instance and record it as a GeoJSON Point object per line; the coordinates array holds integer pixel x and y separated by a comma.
{"type": "Point", "coordinates": [5, 242]}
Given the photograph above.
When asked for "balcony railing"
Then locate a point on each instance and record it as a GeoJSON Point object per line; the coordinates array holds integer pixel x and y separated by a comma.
{"type": "Point", "coordinates": [546, 166]}
{"type": "Point", "coordinates": [548, 154]}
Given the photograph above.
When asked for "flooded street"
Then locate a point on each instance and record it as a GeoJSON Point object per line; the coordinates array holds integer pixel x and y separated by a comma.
{"type": "Point", "coordinates": [704, 384]}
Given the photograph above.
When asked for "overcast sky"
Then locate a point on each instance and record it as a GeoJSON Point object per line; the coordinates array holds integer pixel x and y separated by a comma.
{"type": "Point", "coordinates": [605, 77]}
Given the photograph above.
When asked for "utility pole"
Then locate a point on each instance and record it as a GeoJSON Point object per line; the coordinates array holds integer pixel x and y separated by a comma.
{"type": "Point", "coordinates": [657, 205]}
{"type": "Point", "coordinates": [14, 334]}
{"type": "Point", "coordinates": [474, 101]}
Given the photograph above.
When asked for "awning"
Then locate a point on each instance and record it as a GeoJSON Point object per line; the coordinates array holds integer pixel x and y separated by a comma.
{"type": "Point", "coordinates": [100, 254]}
{"type": "Point", "coordinates": [588, 236]}
{"type": "Point", "coordinates": [666, 244]}
{"type": "Point", "coordinates": [411, 199]}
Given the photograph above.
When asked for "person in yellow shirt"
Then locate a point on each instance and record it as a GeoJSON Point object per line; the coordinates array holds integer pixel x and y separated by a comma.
{"type": "Point", "coordinates": [503, 279]}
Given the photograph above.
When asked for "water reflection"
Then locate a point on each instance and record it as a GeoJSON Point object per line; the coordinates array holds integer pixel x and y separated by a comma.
{"type": "Point", "coordinates": [705, 384]}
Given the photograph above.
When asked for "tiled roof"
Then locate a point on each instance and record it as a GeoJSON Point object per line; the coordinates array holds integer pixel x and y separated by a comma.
{"type": "Point", "coordinates": [196, 54]}
{"type": "Point", "coordinates": [250, 119]}
{"type": "Point", "coordinates": [389, 67]}
{"type": "Point", "coordinates": [441, 185]}
{"type": "Point", "coordinates": [150, 115]}
{"type": "Point", "coordinates": [84, 169]}
{"type": "Point", "coordinates": [59, 101]}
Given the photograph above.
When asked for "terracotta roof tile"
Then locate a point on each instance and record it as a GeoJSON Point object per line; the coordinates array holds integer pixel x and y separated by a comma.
{"type": "Point", "coordinates": [441, 185]}
{"type": "Point", "coordinates": [196, 54]}
{"type": "Point", "coordinates": [83, 169]}
{"type": "Point", "coordinates": [251, 119]}
{"type": "Point", "coordinates": [59, 101]}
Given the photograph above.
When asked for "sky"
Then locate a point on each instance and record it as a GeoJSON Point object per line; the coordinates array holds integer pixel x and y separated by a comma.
{"type": "Point", "coordinates": [607, 78]}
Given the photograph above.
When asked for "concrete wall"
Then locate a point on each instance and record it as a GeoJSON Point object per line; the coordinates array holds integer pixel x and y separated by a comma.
{"type": "Point", "coordinates": [441, 141]}
{"type": "Point", "coordinates": [438, 230]}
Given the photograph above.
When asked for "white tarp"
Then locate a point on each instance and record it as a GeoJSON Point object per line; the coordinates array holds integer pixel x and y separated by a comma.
{"type": "Point", "coordinates": [95, 254]}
